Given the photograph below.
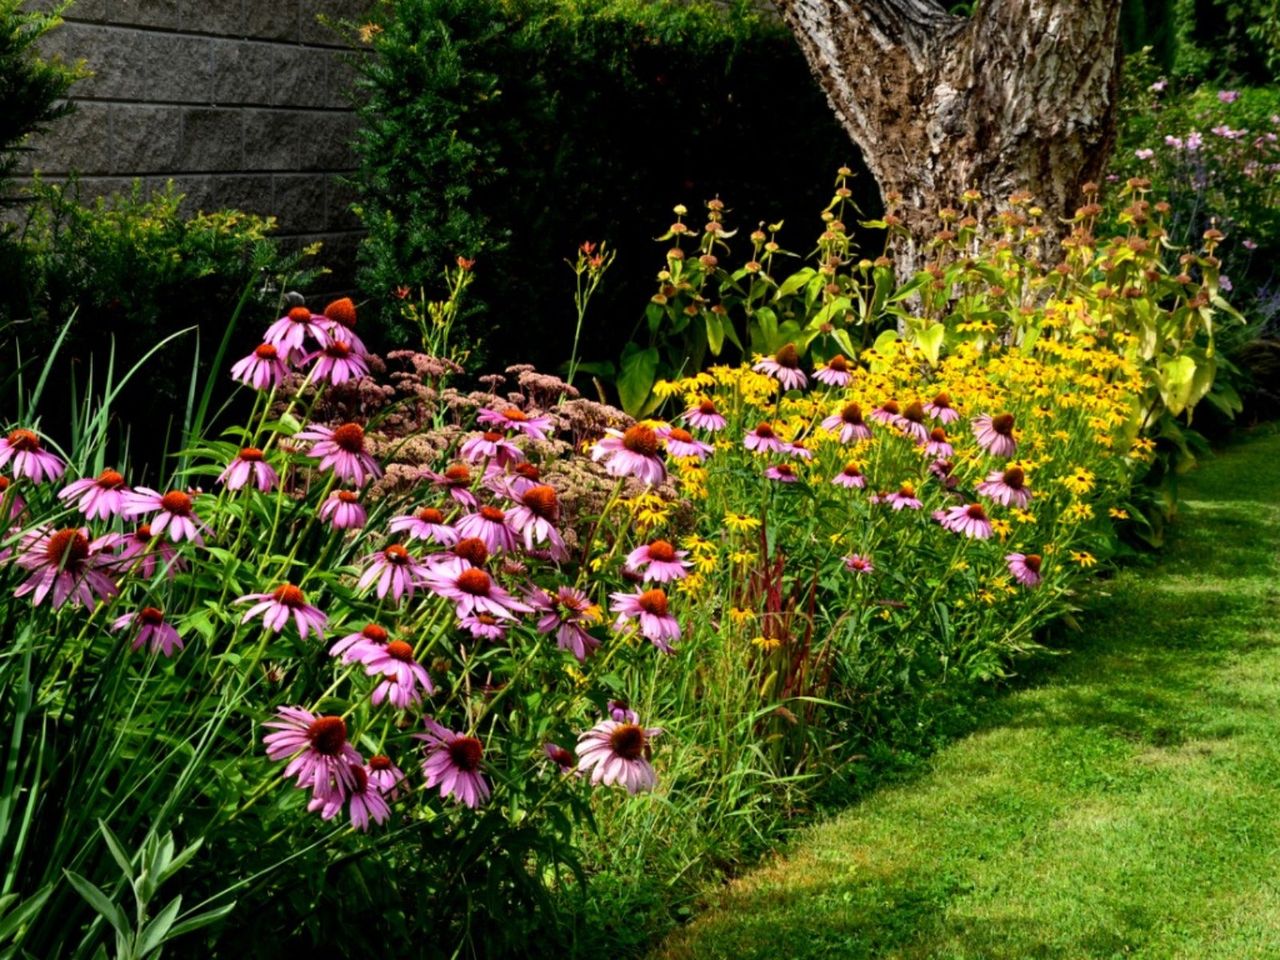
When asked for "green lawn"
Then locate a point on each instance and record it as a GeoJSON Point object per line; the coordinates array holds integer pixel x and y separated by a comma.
{"type": "Point", "coordinates": [1126, 806]}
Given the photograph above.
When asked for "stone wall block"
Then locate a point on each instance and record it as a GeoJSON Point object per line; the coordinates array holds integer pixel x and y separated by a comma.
{"type": "Point", "coordinates": [144, 13]}
{"type": "Point", "coordinates": [146, 139]}
{"type": "Point", "coordinates": [339, 196]}
{"type": "Point", "coordinates": [299, 202]}
{"type": "Point", "coordinates": [292, 140]}
{"type": "Point", "coordinates": [211, 140]}
{"type": "Point", "coordinates": [339, 78]}
{"type": "Point", "coordinates": [275, 20]}
{"type": "Point", "coordinates": [138, 64]}
{"type": "Point", "coordinates": [222, 17]}
{"type": "Point", "coordinates": [95, 10]}
{"type": "Point", "coordinates": [80, 141]}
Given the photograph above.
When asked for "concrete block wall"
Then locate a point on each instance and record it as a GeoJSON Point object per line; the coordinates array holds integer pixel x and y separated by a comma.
{"type": "Point", "coordinates": [242, 103]}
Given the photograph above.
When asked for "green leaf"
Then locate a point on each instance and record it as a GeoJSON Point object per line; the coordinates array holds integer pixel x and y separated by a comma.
{"type": "Point", "coordinates": [635, 381]}
{"type": "Point", "coordinates": [118, 854]}
{"type": "Point", "coordinates": [794, 282]}
{"type": "Point", "coordinates": [200, 920]}
{"type": "Point", "coordinates": [15, 921]}
{"type": "Point", "coordinates": [715, 331]}
{"type": "Point", "coordinates": [156, 932]}
{"type": "Point", "coordinates": [929, 340]}
{"type": "Point", "coordinates": [99, 901]}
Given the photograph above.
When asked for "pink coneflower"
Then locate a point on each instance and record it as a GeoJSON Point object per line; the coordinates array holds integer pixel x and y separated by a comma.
{"type": "Point", "coordinates": [492, 446]}
{"type": "Point", "coordinates": [762, 439]}
{"type": "Point", "coordinates": [249, 464]}
{"type": "Point", "coordinates": [139, 550]}
{"type": "Point", "coordinates": [783, 473]}
{"type": "Point", "coordinates": [561, 757]}
{"type": "Point", "coordinates": [850, 477]}
{"type": "Point", "coordinates": [483, 626]}
{"type": "Point", "coordinates": [342, 449]}
{"type": "Point", "coordinates": [848, 421]}
{"type": "Point", "coordinates": [938, 445]}
{"type": "Point", "coordinates": [968, 519]}
{"type": "Point", "coordinates": [263, 369]}
{"type": "Point", "coordinates": [426, 523]}
{"type": "Point", "coordinates": [337, 362]}
{"type": "Point", "coordinates": [1006, 487]}
{"type": "Point", "coordinates": [342, 510]}
{"type": "Point", "coordinates": [173, 512]}
{"type": "Point", "coordinates": [291, 330]}
{"type": "Point", "coordinates": [797, 449]}
{"type": "Point", "coordinates": [470, 551]}
{"type": "Point", "coordinates": [995, 434]}
{"type": "Point", "coordinates": [705, 416]}
{"type": "Point", "coordinates": [393, 569]}
{"type": "Point", "coordinates": [681, 443]}
{"type": "Point", "coordinates": [100, 497]}
{"type": "Point", "coordinates": [279, 605]}
{"type": "Point", "coordinates": [568, 612]}
{"type": "Point", "coordinates": [784, 366]}
{"type": "Point", "coordinates": [631, 454]}
{"type": "Point", "coordinates": [834, 373]}
{"type": "Point", "coordinates": [67, 563]}
{"type": "Point", "coordinates": [618, 753]}
{"type": "Point", "coordinates": [322, 757]}
{"type": "Point", "coordinates": [904, 498]}
{"type": "Point", "coordinates": [16, 503]}
{"type": "Point", "coordinates": [29, 458]}
{"type": "Point", "coordinates": [911, 422]}
{"type": "Point", "coordinates": [453, 762]}
{"type": "Point", "coordinates": [1025, 568]}
{"type": "Point", "coordinates": [472, 590]}
{"type": "Point", "coordinates": [534, 519]}
{"type": "Point", "coordinates": [512, 481]}
{"type": "Point", "coordinates": [940, 408]}
{"type": "Point", "coordinates": [456, 480]}
{"type": "Point", "coordinates": [650, 608]}
{"type": "Point", "coordinates": [340, 315]}
{"type": "Point", "coordinates": [152, 630]}
{"type": "Point", "coordinates": [887, 413]}
{"type": "Point", "coordinates": [403, 677]}
{"type": "Point", "coordinates": [363, 799]}
{"type": "Point", "coordinates": [659, 561]}
{"type": "Point", "coordinates": [489, 526]}
{"type": "Point", "coordinates": [385, 775]}
{"type": "Point", "coordinates": [352, 646]}
{"type": "Point", "coordinates": [511, 418]}
{"type": "Point", "coordinates": [619, 711]}
{"type": "Point", "coordinates": [943, 471]}
{"type": "Point", "coordinates": [859, 563]}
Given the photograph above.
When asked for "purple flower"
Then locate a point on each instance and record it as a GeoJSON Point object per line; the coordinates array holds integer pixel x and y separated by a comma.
{"type": "Point", "coordinates": [139, 549]}
{"type": "Point", "coordinates": [849, 423]}
{"type": "Point", "coordinates": [1194, 141]}
{"type": "Point", "coordinates": [14, 499]}
{"type": "Point", "coordinates": [426, 523]}
{"type": "Point", "coordinates": [784, 366]}
{"type": "Point", "coordinates": [453, 763]}
{"type": "Point", "coordinates": [322, 757]}
{"type": "Point", "coordinates": [337, 362]}
{"type": "Point", "coordinates": [859, 563]}
{"type": "Point", "coordinates": [100, 497]}
{"type": "Point", "coordinates": [385, 775]}
{"type": "Point", "coordinates": [1144, 153]}
{"type": "Point", "coordinates": [969, 520]}
{"type": "Point", "coordinates": [568, 613]}
{"type": "Point", "coordinates": [911, 422]}
{"type": "Point", "coordinates": [364, 801]}
{"type": "Point", "coordinates": [850, 477]}
{"type": "Point", "coordinates": [1007, 487]}
{"type": "Point", "coordinates": [472, 590]}
{"type": "Point", "coordinates": [511, 418]}
{"type": "Point", "coordinates": [490, 445]}
{"type": "Point", "coordinates": [394, 570]}
{"type": "Point", "coordinates": [1228, 96]}
{"type": "Point", "coordinates": [705, 416]}
{"type": "Point", "coordinates": [456, 480]}
{"type": "Point", "coordinates": [659, 561]}
{"type": "Point", "coordinates": [482, 626]}
{"type": "Point", "coordinates": [618, 753]}
{"type": "Point", "coordinates": [29, 458]}
{"type": "Point", "coordinates": [489, 526]}
{"type": "Point", "coordinates": [402, 676]}
{"type": "Point", "coordinates": [68, 564]}
{"type": "Point", "coordinates": [904, 498]}
{"type": "Point", "coordinates": [782, 473]}
{"type": "Point", "coordinates": [681, 443]}
{"type": "Point", "coordinates": [762, 439]}
{"type": "Point", "coordinates": [1158, 86]}
{"type": "Point", "coordinates": [291, 330]}
{"type": "Point", "coordinates": [561, 757]}
{"type": "Point", "coordinates": [263, 369]}
{"type": "Point", "coordinates": [650, 608]}
{"type": "Point", "coordinates": [631, 454]}
{"type": "Point", "coordinates": [342, 449]}
{"type": "Point", "coordinates": [173, 512]}
{"type": "Point", "coordinates": [249, 464]}
{"type": "Point", "coordinates": [995, 434]}
{"type": "Point", "coordinates": [352, 646]}
{"type": "Point", "coordinates": [284, 602]}
{"type": "Point", "coordinates": [152, 630]}
{"type": "Point", "coordinates": [1025, 568]}
{"type": "Point", "coordinates": [534, 519]}
{"type": "Point", "coordinates": [887, 413]}
{"type": "Point", "coordinates": [619, 711]}
{"type": "Point", "coordinates": [834, 373]}
{"type": "Point", "coordinates": [937, 445]}
{"type": "Point", "coordinates": [343, 511]}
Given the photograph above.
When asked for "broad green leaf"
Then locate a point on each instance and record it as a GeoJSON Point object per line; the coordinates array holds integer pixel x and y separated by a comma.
{"type": "Point", "coordinates": [99, 901]}
{"type": "Point", "coordinates": [156, 932]}
{"type": "Point", "coordinates": [636, 379]}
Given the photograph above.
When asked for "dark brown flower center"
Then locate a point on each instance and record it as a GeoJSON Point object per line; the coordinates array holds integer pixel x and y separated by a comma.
{"type": "Point", "coordinates": [851, 470]}
{"type": "Point", "coordinates": [474, 582]}
{"type": "Point", "coordinates": [561, 757]}
{"type": "Point", "coordinates": [300, 315]}
{"type": "Point", "coordinates": [1032, 560]}
{"type": "Point", "coordinates": [654, 602]}
{"type": "Point", "coordinates": [327, 735]}
{"type": "Point", "coordinates": [23, 441]}
{"type": "Point", "coordinates": [1015, 478]}
{"type": "Point", "coordinates": [764, 431]}
{"type": "Point", "coordinates": [348, 496]}
{"type": "Point", "coordinates": [907, 490]}
{"type": "Point", "coordinates": [914, 412]}
{"type": "Point", "coordinates": [342, 311]}
{"type": "Point", "coordinates": [349, 437]}
{"type": "Point", "coordinates": [975, 512]}
{"type": "Point", "coordinates": [380, 761]}
{"type": "Point", "coordinates": [430, 515]}
{"type": "Point", "coordinates": [493, 514]}
{"type": "Point", "coordinates": [151, 616]}
{"type": "Point", "coordinates": [266, 351]}
{"type": "Point", "coordinates": [472, 550]}
{"type": "Point", "coordinates": [938, 435]}
{"type": "Point", "coordinates": [290, 596]}
{"type": "Point", "coordinates": [1002, 423]}
{"type": "Point", "coordinates": [641, 439]}
{"type": "Point", "coordinates": [374, 632]}
{"type": "Point", "coordinates": [542, 501]}
{"type": "Point", "coordinates": [143, 533]}
{"type": "Point", "coordinates": [787, 357]}
{"type": "Point", "coordinates": [891, 407]}
{"type": "Point", "coordinates": [465, 753]}
{"type": "Point", "coordinates": [110, 480]}
{"type": "Point", "coordinates": [784, 470]}
{"type": "Point", "coordinates": [942, 400]}
{"type": "Point", "coordinates": [838, 363]}
{"type": "Point", "coordinates": [4, 484]}
{"type": "Point", "coordinates": [251, 454]}
{"type": "Point", "coordinates": [458, 475]}
{"type": "Point", "coordinates": [680, 436]}
{"type": "Point", "coordinates": [360, 779]}
{"type": "Point", "coordinates": [397, 555]}
{"type": "Point", "coordinates": [511, 413]}
{"type": "Point", "coordinates": [528, 471]}
{"type": "Point", "coordinates": [338, 350]}
{"type": "Point", "coordinates": [399, 650]}
{"type": "Point", "coordinates": [67, 549]}
{"type": "Point", "coordinates": [492, 436]}
{"type": "Point", "coordinates": [662, 551]}
{"type": "Point", "coordinates": [177, 503]}
{"type": "Point", "coordinates": [851, 414]}
{"type": "Point", "coordinates": [628, 741]}
{"type": "Point", "coordinates": [707, 407]}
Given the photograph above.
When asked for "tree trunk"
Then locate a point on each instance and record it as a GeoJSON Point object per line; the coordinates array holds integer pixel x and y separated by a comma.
{"type": "Point", "coordinates": [1018, 97]}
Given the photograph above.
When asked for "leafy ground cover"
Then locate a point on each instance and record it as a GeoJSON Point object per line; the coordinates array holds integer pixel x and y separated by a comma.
{"type": "Point", "coordinates": [1123, 804]}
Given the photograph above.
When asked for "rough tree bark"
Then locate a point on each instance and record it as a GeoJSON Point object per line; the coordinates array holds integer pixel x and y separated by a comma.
{"type": "Point", "coordinates": [1018, 97]}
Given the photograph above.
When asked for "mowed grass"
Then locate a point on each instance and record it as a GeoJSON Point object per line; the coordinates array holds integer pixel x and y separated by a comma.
{"type": "Point", "coordinates": [1127, 805]}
